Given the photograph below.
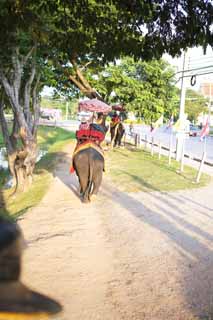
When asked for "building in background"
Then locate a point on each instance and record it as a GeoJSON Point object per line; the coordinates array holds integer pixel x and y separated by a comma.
{"type": "Point", "coordinates": [50, 114]}
{"type": "Point", "coordinates": [206, 88]}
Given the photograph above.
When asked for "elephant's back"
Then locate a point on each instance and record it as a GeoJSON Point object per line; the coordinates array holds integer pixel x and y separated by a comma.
{"type": "Point", "coordinates": [90, 153]}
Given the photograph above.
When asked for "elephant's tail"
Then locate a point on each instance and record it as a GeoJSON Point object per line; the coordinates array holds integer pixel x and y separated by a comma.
{"type": "Point", "coordinates": [89, 184]}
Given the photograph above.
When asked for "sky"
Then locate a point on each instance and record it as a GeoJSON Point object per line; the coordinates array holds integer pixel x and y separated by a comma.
{"type": "Point", "coordinates": [195, 59]}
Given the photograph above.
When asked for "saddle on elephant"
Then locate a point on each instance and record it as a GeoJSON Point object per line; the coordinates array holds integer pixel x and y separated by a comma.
{"type": "Point", "coordinates": [89, 138]}
{"type": "Point", "coordinates": [94, 133]}
{"type": "Point", "coordinates": [85, 145]}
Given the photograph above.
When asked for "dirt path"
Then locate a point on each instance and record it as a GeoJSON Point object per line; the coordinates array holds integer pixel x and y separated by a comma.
{"type": "Point", "coordinates": [124, 256]}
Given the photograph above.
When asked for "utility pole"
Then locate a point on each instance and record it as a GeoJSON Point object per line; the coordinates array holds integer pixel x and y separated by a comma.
{"type": "Point", "coordinates": [210, 103]}
{"type": "Point", "coordinates": [181, 131]}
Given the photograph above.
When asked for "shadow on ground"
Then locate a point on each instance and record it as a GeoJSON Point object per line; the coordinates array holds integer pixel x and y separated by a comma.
{"type": "Point", "coordinates": [182, 219]}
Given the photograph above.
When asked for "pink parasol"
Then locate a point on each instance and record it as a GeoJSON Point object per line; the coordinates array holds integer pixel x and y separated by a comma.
{"type": "Point", "coordinates": [94, 105]}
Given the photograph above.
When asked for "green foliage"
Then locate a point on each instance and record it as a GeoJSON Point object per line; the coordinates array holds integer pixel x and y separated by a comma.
{"type": "Point", "coordinates": [145, 88]}
{"type": "Point", "coordinates": [101, 31]}
{"type": "Point", "coordinates": [195, 103]}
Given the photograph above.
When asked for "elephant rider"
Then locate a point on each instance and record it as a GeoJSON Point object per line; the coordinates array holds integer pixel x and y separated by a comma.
{"type": "Point", "coordinates": [90, 132]}
{"type": "Point", "coordinates": [115, 120]}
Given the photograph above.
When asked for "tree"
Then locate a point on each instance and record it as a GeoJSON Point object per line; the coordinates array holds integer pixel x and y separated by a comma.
{"type": "Point", "coordinates": [145, 88]}
{"type": "Point", "coordinates": [74, 34]}
{"type": "Point", "coordinates": [195, 104]}
{"type": "Point", "coordinates": [22, 67]}
{"type": "Point", "coordinates": [106, 29]}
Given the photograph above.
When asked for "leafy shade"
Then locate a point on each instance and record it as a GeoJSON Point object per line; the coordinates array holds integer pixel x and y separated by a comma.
{"type": "Point", "coordinates": [81, 32]}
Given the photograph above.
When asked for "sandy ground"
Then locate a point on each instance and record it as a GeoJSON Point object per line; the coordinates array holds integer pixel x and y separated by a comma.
{"type": "Point", "coordinates": [123, 256]}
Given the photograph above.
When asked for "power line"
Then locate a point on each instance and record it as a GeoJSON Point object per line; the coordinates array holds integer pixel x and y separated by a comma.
{"type": "Point", "coordinates": [200, 57]}
{"type": "Point", "coordinates": [195, 75]}
{"type": "Point", "coordinates": [194, 69]}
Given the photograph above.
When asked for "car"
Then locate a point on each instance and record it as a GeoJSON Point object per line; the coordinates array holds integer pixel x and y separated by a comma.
{"type": "Point", "coordinates": [194, 131]}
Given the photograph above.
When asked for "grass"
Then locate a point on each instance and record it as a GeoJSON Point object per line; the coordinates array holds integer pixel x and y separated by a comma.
{"type": "Point", "coordinates": [136, 170]}
{"type": "Point", "coordinates": [53, 140]}
{"type": "Point", "coordinates": [131, 170]}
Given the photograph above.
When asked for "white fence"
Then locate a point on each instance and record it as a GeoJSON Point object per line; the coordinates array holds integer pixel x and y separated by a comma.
{"type": "Point", "coordinates": [155, 146]}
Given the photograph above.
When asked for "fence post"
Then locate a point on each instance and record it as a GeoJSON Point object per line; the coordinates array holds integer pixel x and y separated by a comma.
{"type": "Point", "coordinates": [201, 167]}
{"type": "Point", "coordinates": [145, 145]}
{"type": "Point", "coordinates": [136, 140]}
{"type": "Point", "coordinates": [182, 157]}
{"type": "Point", "coordinates": [152, 147]}
{"type": "Point", "coordinates": [170, 149]}
{"type": "Point", "coordinates": [139, 140]}
{"type": "Point", "coordinates": [159, 154]}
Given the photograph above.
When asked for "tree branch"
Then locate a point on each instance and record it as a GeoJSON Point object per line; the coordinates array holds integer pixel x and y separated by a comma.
{"type": "Point", "coordinates": [8, 89]}
{"type": "Point", "coordinates": [82, 79]}
{"type": "Point", "coordinates": [85, 66]}
{"type": "Point", "coordinates": [36, 107]}
{"type": "Point", "coordinates": [18, 68]}
{"type": "Point", "coordinates": [77, 83]}
{"type": "Point", "coordinates": [29, 54]}
{"type": "Point", "coordinates": [4, 126]}
{"type": "Point", "coordinates": [27, 91]}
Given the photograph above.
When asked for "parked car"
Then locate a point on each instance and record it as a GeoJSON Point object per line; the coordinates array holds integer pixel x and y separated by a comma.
{"type": "Point", "coordinates": [194, 131]}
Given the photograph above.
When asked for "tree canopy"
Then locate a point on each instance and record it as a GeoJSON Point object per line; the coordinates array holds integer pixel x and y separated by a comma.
{"type": "Point", "coordinates": [101, 31]}
{"type": "Point", "coordinates": [195, 103]}
{"type": "Point", "coordinates": [143, 87]}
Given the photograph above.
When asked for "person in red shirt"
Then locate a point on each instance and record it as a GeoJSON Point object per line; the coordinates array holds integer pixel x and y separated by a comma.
{"type": "Point", "coordinates": [115, 118]}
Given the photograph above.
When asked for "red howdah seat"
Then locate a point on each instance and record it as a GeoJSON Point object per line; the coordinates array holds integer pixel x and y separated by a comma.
{"type": "Point", "coordinates": [90, 134]}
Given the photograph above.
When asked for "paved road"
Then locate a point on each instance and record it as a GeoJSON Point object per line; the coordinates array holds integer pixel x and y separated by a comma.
{"type": "Point", "coordinates": [193, 147]}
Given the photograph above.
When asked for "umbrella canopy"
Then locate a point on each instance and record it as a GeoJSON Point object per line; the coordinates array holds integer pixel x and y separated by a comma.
{"type": "Point", "coordinates": [118, 107]}
{"type": "Point", "coordinates": [94, 105]}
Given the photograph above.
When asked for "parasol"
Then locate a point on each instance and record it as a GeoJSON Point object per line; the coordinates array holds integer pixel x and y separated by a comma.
{"type": "Point", "coordinates": [94, 105]}
{"type": "Point", "coordinates": [118, 107]}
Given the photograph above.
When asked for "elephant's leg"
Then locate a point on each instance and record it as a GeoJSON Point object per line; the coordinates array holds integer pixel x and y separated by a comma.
{"type": "Point", "coordinates": [112, 135]}
{"type": "Point", "coordinates": [83, 191]}
{"type": "Point", "coordinates": [82, 172]}
{"type": "Point", "coordinates": [97, 182]}
{"type": "Point", "coordinates": [117, 139]}
{"type": "Point", "coordinates": [120, 138]}
{"type": "Point", "coordinates": [82, 184]}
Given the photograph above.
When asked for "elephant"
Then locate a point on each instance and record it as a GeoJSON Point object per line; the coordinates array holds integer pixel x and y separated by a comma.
{"type": "Point", "coordinates": [89, 166]}
{"type": "Point", "coordinates": [117, 132]}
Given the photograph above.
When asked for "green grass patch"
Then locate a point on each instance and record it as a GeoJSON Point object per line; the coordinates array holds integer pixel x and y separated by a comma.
{"type": "Point", "coordinates": [136, 170]}
{"type": "Point", "coordinates": [52, 140]}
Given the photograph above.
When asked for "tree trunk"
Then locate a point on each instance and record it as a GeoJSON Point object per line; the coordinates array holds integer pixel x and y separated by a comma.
{"type": "Point", "coordinates": [23, 166]}
{"type": "Point", "coordinates": [21, 91]}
